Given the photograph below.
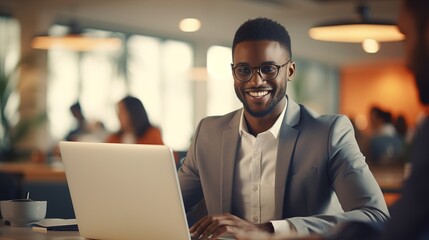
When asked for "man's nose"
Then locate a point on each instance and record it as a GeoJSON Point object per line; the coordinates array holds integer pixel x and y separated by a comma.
{"type": "Point", "coordinates": [256, 76]}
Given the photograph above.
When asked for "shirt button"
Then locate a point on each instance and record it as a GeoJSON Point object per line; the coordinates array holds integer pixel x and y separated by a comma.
{"type": "Point", "coordinates": [255, 219]}
{"type": "Point", "coordinates": [255, 187]}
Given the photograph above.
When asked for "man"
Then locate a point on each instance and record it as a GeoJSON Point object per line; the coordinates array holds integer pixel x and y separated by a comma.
{"type": "Point", "coordinates": [410, 214]}
{"type": "Point", "coordinates": [82, 125]}
{"type": "Point", "coordinates": [275, 166]}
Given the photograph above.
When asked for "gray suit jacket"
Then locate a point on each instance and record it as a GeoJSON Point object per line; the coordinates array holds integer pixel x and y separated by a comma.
{"type": "Point", "coordinates": [321, 175]}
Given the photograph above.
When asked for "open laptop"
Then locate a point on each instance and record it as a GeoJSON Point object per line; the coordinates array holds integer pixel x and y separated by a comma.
{"type": "Point", "coordinates": [124, 191]}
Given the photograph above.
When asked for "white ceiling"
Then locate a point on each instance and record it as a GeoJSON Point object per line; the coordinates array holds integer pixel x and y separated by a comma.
{"type": "Point", "coordinates": [220, 19]}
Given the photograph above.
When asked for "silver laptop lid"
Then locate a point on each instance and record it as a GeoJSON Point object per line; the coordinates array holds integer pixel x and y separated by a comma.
{"type": "Point", "coordinates": [124, 191]}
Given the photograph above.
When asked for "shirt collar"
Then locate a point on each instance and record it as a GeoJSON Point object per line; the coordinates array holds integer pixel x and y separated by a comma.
{"type": "Point", "coordinates": [275, 129]}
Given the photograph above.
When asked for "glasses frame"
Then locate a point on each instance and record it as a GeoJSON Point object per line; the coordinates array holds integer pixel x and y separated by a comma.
{"type": "Point", "coordinates": [258, 70]}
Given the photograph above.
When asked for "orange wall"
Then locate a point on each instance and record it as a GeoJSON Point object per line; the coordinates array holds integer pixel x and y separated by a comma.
{"type": "Point", "coordinates": [387, 85]}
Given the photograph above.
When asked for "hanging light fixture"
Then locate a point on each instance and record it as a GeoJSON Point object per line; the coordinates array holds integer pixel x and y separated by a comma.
{"type": "Point", "coordinates": [76, 40]}
{"type": "Point", "coordinates": [357, 31]}
{"type": "Point", "coordinates": [190, 25]}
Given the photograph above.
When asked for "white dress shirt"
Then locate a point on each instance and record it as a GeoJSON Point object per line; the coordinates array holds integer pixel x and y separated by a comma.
{"type": "Point", "coordinates": [254, 178]}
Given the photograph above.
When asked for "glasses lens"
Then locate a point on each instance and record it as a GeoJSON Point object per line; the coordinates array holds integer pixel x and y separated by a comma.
{"type": "Point", "coordinates": [243, 73]}
{"type": "Point", "coordinates": [269, 72]}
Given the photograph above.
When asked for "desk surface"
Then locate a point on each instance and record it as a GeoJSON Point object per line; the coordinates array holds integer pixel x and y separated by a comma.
{"type": "Point", "coordinates": [390, 178]}
{"type": "Point", "coordinates": [35, 171]}
{"type": "Point", "coordinates": [26, 233]}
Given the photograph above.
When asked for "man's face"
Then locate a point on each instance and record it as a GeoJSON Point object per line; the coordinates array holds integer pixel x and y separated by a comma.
{"type": "Point", "coordinates": [259, 97]}
{"type": "Point", "coordinates": [416, 51]}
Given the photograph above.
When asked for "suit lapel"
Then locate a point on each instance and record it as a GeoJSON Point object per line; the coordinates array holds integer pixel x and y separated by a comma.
{"type": "Point", "coordinates": [230, 139]}
{"type": "Point", "coordinates": [287, 140]}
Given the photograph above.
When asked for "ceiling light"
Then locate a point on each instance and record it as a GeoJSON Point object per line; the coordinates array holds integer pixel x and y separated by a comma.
{"type": "Point", "coordinates": [370, 46]}
{"type": "Point", "coordinates": [75, 40]}
{"type": "Point", "coordinates": [190, 25]}
{"type": "Point", "coordinates": [356, 31]}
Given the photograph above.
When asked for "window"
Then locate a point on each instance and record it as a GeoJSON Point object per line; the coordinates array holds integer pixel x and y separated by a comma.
{"type": "Point", "coordinates": [151, 69]}
{"type": "Point", "coordinates": [159, 76]}
{"type": "Point", "coordinates": [221, 94]}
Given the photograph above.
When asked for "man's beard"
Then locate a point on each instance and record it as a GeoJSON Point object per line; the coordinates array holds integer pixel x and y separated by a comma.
{"type": "Point", "coordinates": [276, 99]}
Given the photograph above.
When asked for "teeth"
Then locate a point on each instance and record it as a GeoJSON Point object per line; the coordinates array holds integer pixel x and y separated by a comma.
{"type": "Point", "coordinates": [258, 94]}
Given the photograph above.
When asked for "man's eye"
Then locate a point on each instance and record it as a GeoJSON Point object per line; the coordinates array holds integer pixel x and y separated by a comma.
{"type": "Point", "coordinates": [244, 70]}
{"type": "Point", "coordinates": [268, 69]}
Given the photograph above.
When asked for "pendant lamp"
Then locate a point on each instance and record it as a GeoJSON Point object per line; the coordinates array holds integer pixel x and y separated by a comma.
{"type": "Point", "coordinates": [357, 31]}
{"type": "Point", "coordinates": [75, 40]}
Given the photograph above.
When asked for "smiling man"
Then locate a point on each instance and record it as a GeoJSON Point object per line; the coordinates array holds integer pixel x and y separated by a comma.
{"type": "Point", "coordinates": [274, 165]}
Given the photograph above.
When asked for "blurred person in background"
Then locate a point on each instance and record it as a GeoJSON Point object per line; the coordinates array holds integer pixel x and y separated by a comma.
{"type": "Point", "coordinates": [85, 131]}
{"type": "Point", "coordinates": [82, 126]}
{"type": "Point", "coordinates": [385, 144]}
{"type": "Point", "coordinates": [401, 126]}
{"type": "Point", "coordinates": [410, 214]}
{"type": "Point", "coordinates": [135, 126]}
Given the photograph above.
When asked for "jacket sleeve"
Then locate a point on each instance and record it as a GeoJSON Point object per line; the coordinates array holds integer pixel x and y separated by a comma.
{"type": "Point", "coordinates": [189, 178]}
{"type": "Point", "coordinates": [352, 181]}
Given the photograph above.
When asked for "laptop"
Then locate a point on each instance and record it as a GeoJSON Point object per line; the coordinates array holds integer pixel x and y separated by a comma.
{"type": "Point", "coordinates": [124, 191]}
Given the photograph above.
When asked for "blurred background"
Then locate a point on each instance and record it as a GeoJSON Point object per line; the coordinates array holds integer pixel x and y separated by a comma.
{"type": "Point", "coordinates": [183, 75]}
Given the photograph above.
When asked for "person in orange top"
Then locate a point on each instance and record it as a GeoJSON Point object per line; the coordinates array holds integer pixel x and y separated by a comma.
{"type": "Point", "coordinates": [135, 125]}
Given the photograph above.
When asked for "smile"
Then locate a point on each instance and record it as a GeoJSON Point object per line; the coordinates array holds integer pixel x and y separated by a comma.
{"type": "Point", "coordinates": [258, 94]}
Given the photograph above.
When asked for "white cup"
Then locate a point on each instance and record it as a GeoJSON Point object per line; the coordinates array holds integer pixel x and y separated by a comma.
{"type": "Point", "coordinates": [23, 212]}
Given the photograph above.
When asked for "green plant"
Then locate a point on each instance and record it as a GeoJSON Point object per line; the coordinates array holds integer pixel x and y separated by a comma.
{"type": "Point", "coordinates": [11, 133]}
{"type": "Point", "coordinates": [7, 82]}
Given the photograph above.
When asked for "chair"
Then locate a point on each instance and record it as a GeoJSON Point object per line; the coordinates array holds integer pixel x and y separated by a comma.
{"type": "Point", "coordinates": [57, 195]}
{"type": "Point", "coordinates": [386, 149]}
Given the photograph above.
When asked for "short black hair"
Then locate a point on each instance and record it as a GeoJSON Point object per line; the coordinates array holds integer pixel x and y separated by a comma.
{"type": "Point", "coordinates": [381, 114]}
{"type": "Point", "coordinates": [138, 115]}
{"type": "Point", "coordinates": [262, 29]}
{"type": "Point", "coordinates": [76, 107]}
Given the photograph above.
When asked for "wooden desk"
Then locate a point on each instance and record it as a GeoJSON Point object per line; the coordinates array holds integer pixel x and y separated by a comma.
{"type": "Point", "coordinates": [26, 233]}
{"type": "Point", "coordinates": [35, 171]}
{"type": "Point", "coordinates": [44, 182]}
{"type": "Point", "coordinates": [390, 179]}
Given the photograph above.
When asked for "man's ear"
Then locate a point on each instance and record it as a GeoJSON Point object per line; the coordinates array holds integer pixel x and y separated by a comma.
{"type": "Point", "coordinates": [291, 71]}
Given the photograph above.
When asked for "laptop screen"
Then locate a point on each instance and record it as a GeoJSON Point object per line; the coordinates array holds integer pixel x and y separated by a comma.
{"type": "Point", "coordinates": [124, 191]}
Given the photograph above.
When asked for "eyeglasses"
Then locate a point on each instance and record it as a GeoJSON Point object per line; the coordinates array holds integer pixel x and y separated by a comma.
{"type": "Point", "coordinates": [267, 71]}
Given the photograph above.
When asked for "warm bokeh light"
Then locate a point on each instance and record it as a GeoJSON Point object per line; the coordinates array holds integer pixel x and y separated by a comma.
{"type": "Point", "coordinates": [356, 33]}
{"type": "Point", "coordinates": [361, 122]}
{"type": "Point", "coordinates": [370, 46]}
{"type": "Point", "coordinates": [76, 43]}
{"type": "Point", "coordinates": [190, 25]}
{"type": "Point", "coordinates": [389, 85]}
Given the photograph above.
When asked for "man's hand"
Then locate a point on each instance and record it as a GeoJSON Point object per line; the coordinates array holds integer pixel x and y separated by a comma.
{"type": "Point", "coordinates": [211, 227]}
{"type": "Point", "coordinates": [265, 236]}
